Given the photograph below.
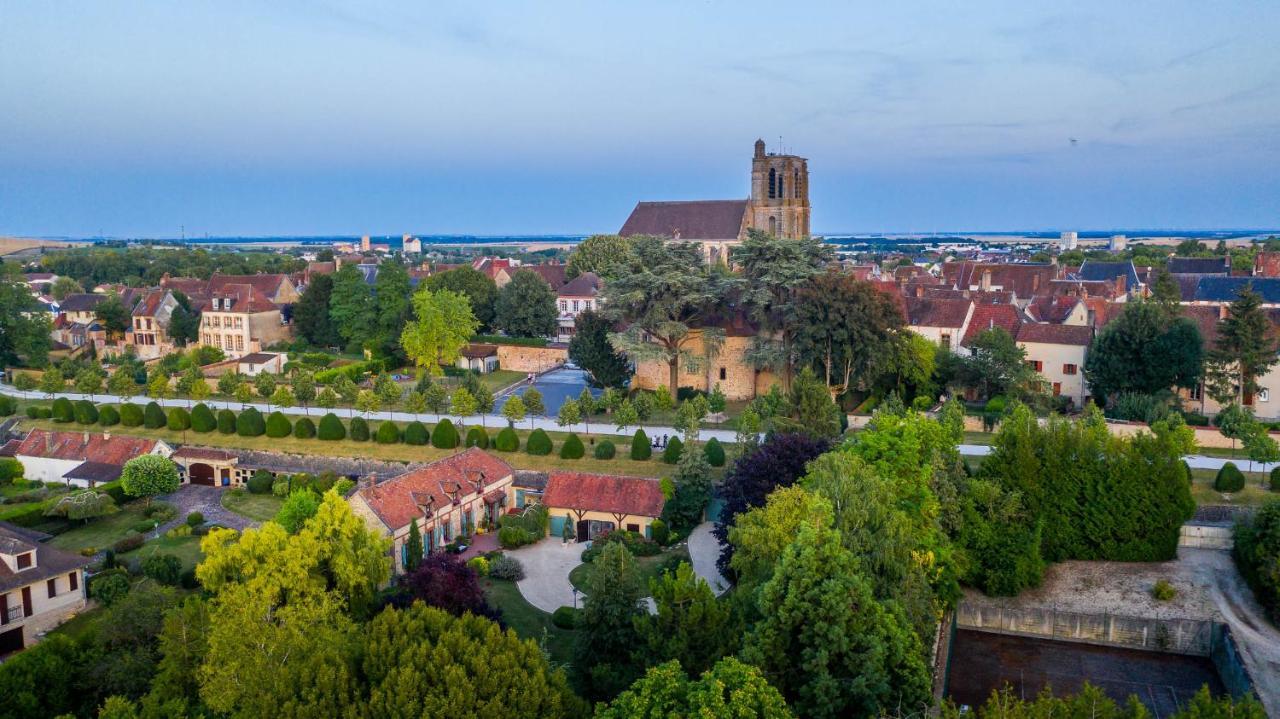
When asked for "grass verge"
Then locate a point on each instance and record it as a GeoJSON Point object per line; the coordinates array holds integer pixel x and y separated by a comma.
{"type": "Point", "coordinates": [259, 507]}
{"type": "Point", "coordinates": [648, 568]}
{"type": "Point", "coordinates": [528, 621]}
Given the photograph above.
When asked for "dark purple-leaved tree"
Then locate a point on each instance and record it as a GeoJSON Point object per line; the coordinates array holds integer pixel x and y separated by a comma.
{"type": "Point", "coordinates": [444, 581]}
{"type": "Point", "coordinates": [779, 462]}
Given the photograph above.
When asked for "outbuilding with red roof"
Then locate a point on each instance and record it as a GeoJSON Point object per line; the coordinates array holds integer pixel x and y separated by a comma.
{"type": "Point", "coordinates": [599, 503]}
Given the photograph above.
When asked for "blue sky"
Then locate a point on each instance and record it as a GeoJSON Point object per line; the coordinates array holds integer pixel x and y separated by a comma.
{"type": "Point", "coordinates": [229, 117]}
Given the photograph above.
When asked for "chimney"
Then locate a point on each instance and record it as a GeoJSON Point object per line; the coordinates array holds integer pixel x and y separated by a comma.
{"type": "Point", "coordinates": [985, 283]}
{"type": "Point", "coordinates": [1035, 283]}
{"type": "Point", "coordinates": [1120, 289]}
{"type": "Point", "coordinates": [369, 481]}
{"type": "Point", "coordinates": [86, 439]}
{"type": "Point", "coordinates": [106, 436]}
{"type": "Point", "coordinates": [1222, 312]}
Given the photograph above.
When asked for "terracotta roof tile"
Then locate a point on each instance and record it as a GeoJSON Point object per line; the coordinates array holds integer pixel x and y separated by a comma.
{"type": "Point", "coordinates": [923, 312]}
{"type": "Point", "coordinates": [84, 446]}
{"type": "Point", "coordinates": [986, 317]}
{"type": "Point", "coordinates": [604, 493]}
{"type": "Point", "coordinates": [396, 501]}
{"type": "Point", "coordinates": [265, 285]}
{"type": "Point", "coordinates": [1055, 334]}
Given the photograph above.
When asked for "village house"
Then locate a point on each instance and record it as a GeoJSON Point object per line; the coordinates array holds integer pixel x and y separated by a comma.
{"type": "Point", "coordinates": [239, 321]}
{"type": "Point", "coordinates": [275, 288]}
{"type": "Point", "coordinates": [575, 297]}
{"type": "Point", "coordinates": [81, 459]}
{"type": "Point", "coordinates": [1207, 318]}
{"type": "Point", "coordinates": [940, 321]}
{"type": "Point", "coordinates": [81, 308]}
{"type": "Point", "coordinates": [478, 357]}
{"type": "Point", "coordinates": [727, 366]}
{"type": "Point", "coordinates": [148, 332]}
{"type": "Point", "coordinates": [40, 587]}
{"type": "Point", "coordinates": [450, 498]}
{"type": "Point", "coordinates": [252, 365]}
{"type": "Point", "coordinates": [600, 503]}
{"type": "Point", "coordinates": [551, 273]}
{"type": "Point", "coordinates": [1057, 353]}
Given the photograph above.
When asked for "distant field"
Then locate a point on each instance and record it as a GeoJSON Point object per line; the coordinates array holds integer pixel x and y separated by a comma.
{"type": "Point", "coordinates": [10, 245]}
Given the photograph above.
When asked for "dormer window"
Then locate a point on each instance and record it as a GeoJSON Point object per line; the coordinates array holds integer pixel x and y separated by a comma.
{"type": "Point", "coordinates": [26, 561]}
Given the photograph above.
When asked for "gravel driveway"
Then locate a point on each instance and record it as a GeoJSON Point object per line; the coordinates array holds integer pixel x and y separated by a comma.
{"type": "Point", "coordinates": [207, 501]}
{"type": "Point", "coordinates": [546, 573]}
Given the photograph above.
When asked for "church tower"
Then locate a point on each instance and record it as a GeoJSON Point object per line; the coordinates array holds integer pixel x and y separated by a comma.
{"type": "Point", "coordinates": [779, 193]}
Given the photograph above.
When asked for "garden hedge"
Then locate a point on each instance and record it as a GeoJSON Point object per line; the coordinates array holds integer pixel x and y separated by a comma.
{"type": "Point", "coordinates": [33, 411]}
{"type": "Point", "coordinates": [178, 419]}
{"type": "Point", "coordinates": [250, 423]}
{"type": "Point", "coordinates": [63, 411]}
{"type": "Point", "coordinates": [671, 454]}
{"type": "Point", "coordinates": [445, 435]}
{"type": "Point", "coordinates": [640, 449]}
{"type": "Point", "coordinates": [572, 448]}
{"type": "Point", "coordinates": [331, 428]}
{"type": "Point", "coordinates": [278, 425]}
{"type": "Point", "coordinates": [7, 406]}
{"type": "Point", "coordinates": [538, 443]}
{"type": "Point", "coordinates": [130, 415]}
{"type": "Point", "coordinates": [477, 437]}
{"type": "Point", "coordinates": [416, 434]}
{"type": "Point", "coordinates": [714, 452]}
{"type": "Point", "coordinates": [507, 440]}
{"type": "Point", "coordinates": [86, 413]}
{"type": "Point", "coordinates": [226, 421]}
{"type": "Point", "coordinates": [108, 416]}
{"type": "Point", "coordinates": [359, 430]}
{"type": "Point", "coordinates": [388, 433]}
{"type": "Point", "coordinates": [304, 428]}
{"type": "Point", "coordinates": [44, 412]}
{"type": "Point", "coordinates": [260, 483]}
{"type": "Point", "coordinates": [153, 416]}
{"type": "Point", "coordinates": [1229, 478]}
{"type": "Point", "coordinates": [1275, 479]}
{"type": "Point", "coordinates": [606, 450]}
{"type": "Point", "coordinates": [202, 419]}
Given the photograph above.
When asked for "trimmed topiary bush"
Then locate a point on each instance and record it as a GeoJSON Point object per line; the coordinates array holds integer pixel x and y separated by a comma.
{"type": "Point", "coordinates": [63, 411]}
{"type": "Point", "coordinates": [565, 617]}
{"type": "Point", "coordinates": [640, 449]}
{"type": "Point", "coordinates": [1229, 478]}
{"type": "Point", "coordinates": [572, 448]}
{"type": "Point", "coordinates": [671, 454]}
{"type": "Point", "coordinates": [416, 434]}
{"type": "Point", "coordinates": [477, 437]}
{"type": "Point", "coordinates": [388, 433]}
{"type": "Point", "coordinates": [86, 413]}
{"type": "Point", "coordinates": [606, 450]}
{"type": "Point", "coordinates": [195, 519]}
{"type": "Point", "coordinates": [250, 423]}
{"type": "Point", "coordinates": [130, 414]}
{"type": "Point", "coordinates": [445, 435]}
{"type": "Point", "coordinates": [359, 430]}
{"type": "Point", "coordinates": [33, 411]}
{"type": "Point", "coordinates": [714, 452]}
{"type": "Point", "coordinates": [278, 425]}
{"type": "Point", "coordinates": [202, 419]}
{"type": "Point", "coordinates": [44, 412]}
{"type": "Point", "coordinates": [539, 443]}
{"type": "Point", "coordinates": [1275, 479]}
{"type": "Point", "coordinates": [8, 406]}
{"type": "Point", "coordinates": [331, 428]}
{"type": "Point", "coordinates": [108, 416]}
{"type": "Point", "coordinates": [178, 419]}
{"type": "Point", "coordinates": [226, 421]}
{"type": "Point", "coordinates": [507, 440]}
{"type": "Point", "coordinates": [506, 568]}
{"type": "Point", "coordinates": [659, 532]}
{"type": "Point", "coordinates": [260, 483]}
{"type": "Point", "coordinates": [153, 417]}
{"type": "Point", "coordinates": [304, 428]}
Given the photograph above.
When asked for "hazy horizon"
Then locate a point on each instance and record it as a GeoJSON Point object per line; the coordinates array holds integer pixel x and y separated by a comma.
{"type": "Point", "coordinates": [305, 119]}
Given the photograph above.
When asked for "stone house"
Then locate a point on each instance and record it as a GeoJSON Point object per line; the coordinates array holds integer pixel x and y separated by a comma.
{"type": "Point", "coordinates": [81, 459]}
{"type": "Point", "coordinates": [148, 332]}
{"type": "Point", "coordinates": [240, 321]}
{"type": "Point", "coordinates": [40, 587]}
{"type": "Point", "coordinates": [275, 288]}
{"type": "Point", "coordinates": [478, 357]}
{"type": "Point", "coordinates": [1057, 353]}
{"type": "Point", "coordinates": [941, 321]}
{"type": "Point", "coordinates": [450, 498]}
{"type": "Point", "coordinates": [575, 297]}
{"type": "Point", "coordinates": [727, 367]}
{"type": "Point", "coordinates": [252, 365]}
{"type": "Point", "coordinates": [598, 503]}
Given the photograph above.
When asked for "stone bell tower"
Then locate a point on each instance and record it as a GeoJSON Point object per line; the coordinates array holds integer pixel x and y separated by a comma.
{"type": "Point", "coordinates": [779, 193]}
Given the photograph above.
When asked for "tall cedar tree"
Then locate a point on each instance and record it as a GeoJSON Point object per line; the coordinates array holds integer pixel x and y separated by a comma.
{"type": "Point", "coordinates": [776, 271]}
{"type": "Point", "coordinates": [607, 638]}
{"type": "Point", "coordinates": [1244, 351]}
{"type": "Point", "coordinates": [351, 307]}
{"type": "Point", "coordinates": [311, 313]}
{"type": "Point", "coordinates": [1144, 351]}
{"type": "Point", "coordinates": [779, 462]}
{"type": "Point", "coordinates": [526, 306]}
{"type": "Point", "coordinates": [478, 288]}
{"type": "Point", "coordinates": [591, 350]}
{"type": "Point", "coordinates": [665, 289]}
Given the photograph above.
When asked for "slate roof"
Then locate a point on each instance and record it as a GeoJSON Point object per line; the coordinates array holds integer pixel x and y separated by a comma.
{"type": "Point", "coordinates": [1055, 334]}
{"type": "Point", "coordinates": [986, 317]}
{"type": "Point", "coordinates": [1107, 271]}
{"type": "Point", "coordinates": [1199, 265]}
{"type": "Point", "coordinates": [397, 501]}
{"type": "Point", "coordinates": [257, 358]}
{"type": "Point", "coordinates": [84, 446]}
{"type": "Point", "coordinates": [99, 472]}
{"type": "Point", "coordinates": [586, 284]}
{"type": "Point", "coordinates": [925, 312]}
{"type": "Point", "coordinates": [49, 562]}
{"type": "Point", "coordinates": [81, 302]}
{"type": "Point", "coordinates": [614, 494]}
{"type": "Point", "coordinates": [1225, 289]}
{"type": "Point", "coordinates": [691, 220]}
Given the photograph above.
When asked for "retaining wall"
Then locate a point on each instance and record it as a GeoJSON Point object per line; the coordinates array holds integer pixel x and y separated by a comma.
{"type": "Point", "coordinates": [1178, 636]}
{"type": "Point", "coordinates": [1202, 536]}
{"type": "Point", "coordinates": [531, 359]}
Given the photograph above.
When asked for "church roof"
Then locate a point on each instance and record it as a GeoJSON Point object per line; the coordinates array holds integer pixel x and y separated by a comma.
{"type": "Point", "coordinates": [691, 220]}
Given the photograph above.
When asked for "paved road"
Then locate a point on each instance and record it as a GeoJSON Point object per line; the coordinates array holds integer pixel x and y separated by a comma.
{"type": "Point", "coordinates": [546, 423]}
{"type": "Point", "coordinates": [704, 550]}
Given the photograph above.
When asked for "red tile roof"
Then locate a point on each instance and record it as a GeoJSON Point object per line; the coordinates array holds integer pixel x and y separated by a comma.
{"type": "Point", "coordinates": [397, 500]}
{"type": "Point", "coordinates": [245, 299]}
{"type": "Point", "coordinates": [1023, 279]}
{"type": "Point", "coordinates": [1052, 309]}
{"type": "Point", "coordinates": [84, 446]}
{"type": "Point", "coordinates": [219, 455]}
{"type": "Point", "coordinates": [986, 317]}
{"type": "Point", "coordinates": [1055, 334]}
{"type": "Point", "coordinates": [150, 303]}
{"type": "Point", "coordinates": [551, 274]}
{"type": "Point", "coordinates": [604, 493]}
{"type": "Point", "coordinates": [695, 220]}
{"type": "Point", "coordinates": [189, 286]}
{"type": "Point", "coordinates": [586, 284]}
{"type": "Point", "coordinates": [265, 285]}
{"type": "Point", "coordinates": [923, 312]}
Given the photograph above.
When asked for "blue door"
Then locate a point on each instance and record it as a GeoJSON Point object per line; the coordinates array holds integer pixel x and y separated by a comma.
{"type": "Point", "coordinates": [557, 526]}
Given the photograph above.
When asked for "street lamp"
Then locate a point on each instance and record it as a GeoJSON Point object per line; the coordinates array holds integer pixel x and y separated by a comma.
{"type": "Point", "coordinates": [575, 597]}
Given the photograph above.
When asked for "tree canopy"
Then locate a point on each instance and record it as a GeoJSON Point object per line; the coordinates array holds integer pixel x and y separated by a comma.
{"type": "Point", "coordinates": [1144, 351]}
{"type": "Point", "coordinates": [443, 326]}
{"type": "Point", "coordinates": [526, 306]}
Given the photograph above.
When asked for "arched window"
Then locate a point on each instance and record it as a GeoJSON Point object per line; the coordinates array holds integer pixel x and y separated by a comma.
{"type": "Point", "coordinates": [781, 192]}
{"type": "Point", "coordinates": [796, 185]}
{"type": "Point", "coordinates": [773, 225]}
{"type": "Point", "coordinates": [773, 182]}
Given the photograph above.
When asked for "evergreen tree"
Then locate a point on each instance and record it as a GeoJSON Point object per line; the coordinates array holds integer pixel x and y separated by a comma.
{"type": "Point", "coordinates": [526, 306]}
{"type": "Point", "coordinates": [1245, 350]}
{"type": "Point", "coordinates": [590, 349]}
{"type": "Point", "coordinates": [413, 550]}
{"type": "Point", "coordinates": [351, 307]}
{"type": "Point", "coordinates": [311, 313]}
{"type": "Point", "coordinates": [606, 632]}
{"type": "Point", "coordinates": [690, 625]}
{"type": "Point", "coordinates": [392, 292]}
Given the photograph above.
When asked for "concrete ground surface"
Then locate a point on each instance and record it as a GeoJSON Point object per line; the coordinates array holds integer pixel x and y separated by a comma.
{"type": "Point", "coordinates": [1208, 586]}
{"type": "Point", "coordinates": [546, 573]}
{"type": "Point", "coordinates": [704, 550]}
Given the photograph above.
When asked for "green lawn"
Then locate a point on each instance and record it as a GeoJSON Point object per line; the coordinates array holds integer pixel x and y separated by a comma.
{"type": "Point", "coordinates": [528, 621]}
{"type": "Point", "coordinates": [185, 548]}
{"type": "Point", "coordinates": [648, 569]}
{"type": "Point", "coordinates": [103, 532]}
{"type": "Point", "coordinates": [501, 379]}
{"type": "Point", "coordinates": [1255, 491]}
{"type": "Point", "coordinates": [260, 507]}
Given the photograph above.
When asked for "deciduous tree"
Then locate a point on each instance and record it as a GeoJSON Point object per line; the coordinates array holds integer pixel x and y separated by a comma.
{"type": "Point", "coordinates": [526, 306]}
{"type": "Point", "coordinates": [600, 254]}
{"type": "Point", "coordinates": [477, 287]}
{"type": "Point", "coordinates": [443, 325]}
{"type": "Point", "coordinates": [1144, 351]}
